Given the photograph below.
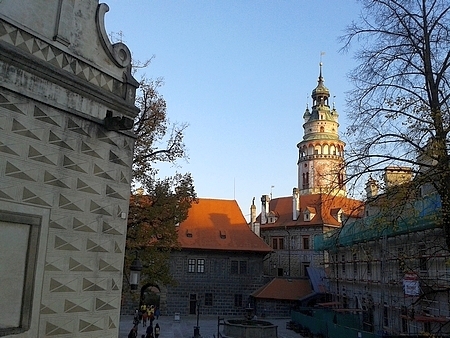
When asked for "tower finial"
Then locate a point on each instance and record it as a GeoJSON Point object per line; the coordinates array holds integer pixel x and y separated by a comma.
{"type": "Point", "coordinates": [320, 67]}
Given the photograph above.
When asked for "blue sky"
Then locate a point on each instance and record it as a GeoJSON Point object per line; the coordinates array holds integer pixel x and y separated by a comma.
{"type": "Point", "coordinates": [240, 73]}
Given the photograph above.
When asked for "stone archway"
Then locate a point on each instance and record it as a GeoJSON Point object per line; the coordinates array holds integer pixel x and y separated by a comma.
{"type": "Point", "coordinates": [150, 295]}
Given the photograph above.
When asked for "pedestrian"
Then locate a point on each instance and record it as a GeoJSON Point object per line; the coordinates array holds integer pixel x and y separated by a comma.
{"type": "Point", "coordinates": [133, 332]}
{"type": "Point", "coordinates": [149, 332]}
{"type": "Point", "coordinates": [157, 313]}
{"type": "Point", "coordinates": [157, 329]}
{"type": "Point", "coordinates": [136, 318]}
{"type": "Point", "coordinates": [144, 318]}
{"type": "Point", "coordinates": [151, 318]}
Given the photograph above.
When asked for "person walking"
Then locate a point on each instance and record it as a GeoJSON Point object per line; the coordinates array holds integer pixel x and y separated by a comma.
{"type": "Point", "coordinates": [149, 331]}
{"type": "Point", "coordinates": [133, 332]}
{"type": "Point", "coordinates": [144, 318]}
{"type": "Point", "coordinates": [157, 330]}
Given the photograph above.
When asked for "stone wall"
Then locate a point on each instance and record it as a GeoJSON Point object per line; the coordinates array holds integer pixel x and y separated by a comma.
{"type": "Point", "coordinates": [217, 280]}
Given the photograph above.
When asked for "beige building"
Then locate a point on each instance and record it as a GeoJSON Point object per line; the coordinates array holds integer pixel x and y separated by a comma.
{"type": "Point", "coordinates": [66, 107]}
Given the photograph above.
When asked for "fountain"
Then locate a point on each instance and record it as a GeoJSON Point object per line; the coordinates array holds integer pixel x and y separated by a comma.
{"type": "Point", "coordinates": [249, 327]}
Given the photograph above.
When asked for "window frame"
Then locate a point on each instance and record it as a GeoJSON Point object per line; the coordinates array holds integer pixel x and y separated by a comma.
{"type": "Point", "coordinates": [191, 265]}
{"type": "Point", "coordinates": [34, 222]}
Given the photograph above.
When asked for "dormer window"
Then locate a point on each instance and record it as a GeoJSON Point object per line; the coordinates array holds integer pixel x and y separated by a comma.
{"type": "Point", "coordinates": [272, 217]}
{"type": "Point", "coordinates": [223, 234]}
{"type": "Point", "coordinates": [309, 214]}
{"type": "Point", "coordinates": [188, 233]}
{"type": "Point", "coordinates": [337, 214]}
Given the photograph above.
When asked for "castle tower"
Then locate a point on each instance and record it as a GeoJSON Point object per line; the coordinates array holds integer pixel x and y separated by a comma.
{"type": "Point", "coordinates": [321, 152]}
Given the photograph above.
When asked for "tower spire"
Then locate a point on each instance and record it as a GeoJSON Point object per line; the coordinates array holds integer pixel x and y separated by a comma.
{"type": "Point", "coordinates": [320, 73]}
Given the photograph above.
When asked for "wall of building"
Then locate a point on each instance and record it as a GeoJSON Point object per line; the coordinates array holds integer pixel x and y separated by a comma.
{"type": "Point", "coordinates": [216, 280]}
{"type": "Point", "coordinates": [298, 257]}
{"type": "Point", "coordinates": [371, 276]}
{"type": "Point", "coordinates": [64, 178]}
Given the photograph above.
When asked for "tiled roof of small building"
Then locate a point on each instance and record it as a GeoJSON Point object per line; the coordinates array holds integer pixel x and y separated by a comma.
{"type": "Point", "coordinates": [324, 206]}
{"type": "Point", "coordinates": [214, 224]}
{"type": "Point", "coordinates": [285, 289]}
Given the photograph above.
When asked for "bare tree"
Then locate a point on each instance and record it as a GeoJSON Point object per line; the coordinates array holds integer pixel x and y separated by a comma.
{"type": "Point", "coordinates": [400, 105]}
{"type": "Point", "coordinates": [158, 140]}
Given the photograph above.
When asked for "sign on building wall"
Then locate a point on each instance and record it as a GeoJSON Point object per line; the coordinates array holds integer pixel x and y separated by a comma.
{"type": "Point", "coordinates": [411, 285]}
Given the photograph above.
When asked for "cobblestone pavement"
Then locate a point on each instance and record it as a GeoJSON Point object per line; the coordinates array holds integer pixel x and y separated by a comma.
{"type": "Point", "coordinates": [185, 327]}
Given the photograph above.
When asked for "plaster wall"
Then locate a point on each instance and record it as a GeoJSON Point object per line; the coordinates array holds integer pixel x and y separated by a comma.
{"type": "Point", "coordinates": [64, 177]}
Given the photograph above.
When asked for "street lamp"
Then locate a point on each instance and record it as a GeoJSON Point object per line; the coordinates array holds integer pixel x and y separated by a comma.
{"type": "Point", "coordinates": [135, 273]}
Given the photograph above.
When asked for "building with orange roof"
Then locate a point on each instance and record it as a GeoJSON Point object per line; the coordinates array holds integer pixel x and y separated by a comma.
{"type": "Point", "coordinates": [220, 263]}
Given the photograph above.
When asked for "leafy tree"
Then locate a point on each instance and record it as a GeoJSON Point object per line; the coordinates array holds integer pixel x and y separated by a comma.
{"type": "Point", "coordinates": [152, 224]}
{"type": "Point", "coordinates": [400, 105]}
{"type": "Point", "coordinates": [158, 204]}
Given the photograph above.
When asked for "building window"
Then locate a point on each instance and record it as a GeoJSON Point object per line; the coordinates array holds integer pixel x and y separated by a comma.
{"type": "Point", "coordinates": [191, 265]}
{"type": "Point", "coordinates": [278, 243]}
{"type": "Point", "coordinates": [369, 267]}
{"type": "Point", "coordinates": [305, 242]}
{"type": "Point", "coordinates": [422, 259]}
{"type": "Point", "coordinates": [385, 315]}
{"type": "Point", "coordinates": [242, 267]}
{"type": "Point", "coordinates": [19, 241]}
{"type": "Point", "coordinates": [401, 260]}
{"type": "Point", "coordinates": [355, 265]}
{"type": "Point", "coordinates": [305, 267]}
{"type": "Point", "coordinates": [238, 300]}
{"type": "Point", "coordinates": [208, 299]}
{"type": "Point", "coordinates": [343, 263]}
{"type": "Point", "coordinates": [305, 180]}
{"type": "Point", "coordinates": [201, 265]}
{"type": "Point", "coordinates": [427, 325]}
{"type": "Point", "coordinates": [196, 265]}
{"type": "Point", "coordinates": [234, 267]}
{"type": "Point", "coordinates": [404, 312]}
{"type": "Point", "coordinates": [238, 267]}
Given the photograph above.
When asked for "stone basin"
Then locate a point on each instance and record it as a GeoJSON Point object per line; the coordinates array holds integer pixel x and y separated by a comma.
{"type": "Point", "coordinates": [244, 328]}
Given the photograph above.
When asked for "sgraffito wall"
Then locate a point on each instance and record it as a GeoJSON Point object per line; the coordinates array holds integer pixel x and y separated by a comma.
{"type": "Point", "coordinates": [66, 103]}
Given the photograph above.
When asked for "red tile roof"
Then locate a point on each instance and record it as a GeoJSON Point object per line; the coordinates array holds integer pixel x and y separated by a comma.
{"type": "Point", "coordinates": [214, 224]}
{"type": "Point", "coordinates": [284, 289]}
{"type": "Point", "coordinates": [324, 207]}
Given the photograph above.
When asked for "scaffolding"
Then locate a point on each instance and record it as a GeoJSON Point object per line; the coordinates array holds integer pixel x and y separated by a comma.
{"type": "Point", "coordinates": [423, 216]}
{"type": "Point", "coordinates": [394, 274]}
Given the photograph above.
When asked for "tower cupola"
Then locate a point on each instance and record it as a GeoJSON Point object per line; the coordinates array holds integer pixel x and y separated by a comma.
{"type": "Point", "coordinates": [320, 94]}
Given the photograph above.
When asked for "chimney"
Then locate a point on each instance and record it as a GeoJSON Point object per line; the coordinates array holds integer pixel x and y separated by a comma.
{"type": "Point", "coordinates": [253, 212]}
{"type": "Point", "coordinates": [397, 175]}
{"type": "Point", "coordinates": [371, 188]}
{"type": "Point", "coordinates": [295, 204]}
{"type": "Point", "coordinates": [264, 208]}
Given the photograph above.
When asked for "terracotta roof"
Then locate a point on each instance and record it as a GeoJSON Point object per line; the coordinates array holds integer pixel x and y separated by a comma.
{"type": "Point", "coordinates": [214, 224]}
{"type": "Point", "coordinates": [284, 289]}
{"type": "Point", "coordinates": [324, 206]}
